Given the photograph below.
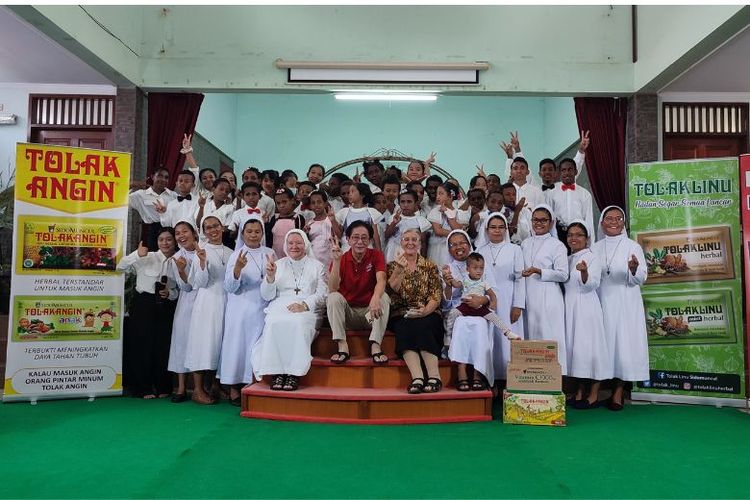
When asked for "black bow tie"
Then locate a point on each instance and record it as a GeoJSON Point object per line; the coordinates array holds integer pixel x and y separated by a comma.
{"type": "Point", "coordinates": [546, 187]}
{"type": "Point", "coordinates": [186, 197]}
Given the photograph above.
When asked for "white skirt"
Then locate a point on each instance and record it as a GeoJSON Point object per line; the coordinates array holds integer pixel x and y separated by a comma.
{"type": "Point", "coordinates": [181, 331]}
{"type": "Point", "coordinates": [243, 327]}
{"type": "Point", "coordinates": [284, 347]}
{"type": "Point", "coordinates": [472, 343]}
{"type": "Point", "coordinates": [206, 328]}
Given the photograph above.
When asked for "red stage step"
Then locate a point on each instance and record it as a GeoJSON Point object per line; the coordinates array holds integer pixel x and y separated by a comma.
{"type": "Point", "coordinates": [370, 406]}
{"type": "Point", "coordinates": [360, 391]}
{"type": "Point", "coordinates": [363, 373]}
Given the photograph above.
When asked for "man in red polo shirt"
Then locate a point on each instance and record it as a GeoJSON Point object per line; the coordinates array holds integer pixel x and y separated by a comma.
{"type": "Point", "coordinates": [357, 298]}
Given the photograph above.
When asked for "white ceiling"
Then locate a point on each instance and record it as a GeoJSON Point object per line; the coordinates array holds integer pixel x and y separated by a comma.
{"type": "Point", "coordinates": [727, 69]}
{"type": "Point", "coordinates": [28, 56]}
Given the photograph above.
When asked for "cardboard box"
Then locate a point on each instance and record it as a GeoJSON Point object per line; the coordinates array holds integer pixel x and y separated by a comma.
{"type": "Point", "coordinates": [534, 377]}
{"type": "Point", "coordinates": [533, 351]}
{"type": "Point", "coordinates": [541, 408]}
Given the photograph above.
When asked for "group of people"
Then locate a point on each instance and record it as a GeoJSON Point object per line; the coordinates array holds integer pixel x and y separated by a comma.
{"type": "Point", "coordinates": [233, 283]}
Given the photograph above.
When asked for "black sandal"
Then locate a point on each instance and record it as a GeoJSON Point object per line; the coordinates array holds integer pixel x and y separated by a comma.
{"type": "Point", "coordinates": [291, 383]}
{"type": "Point", "coordinates": [414, 387]}
{"type": "Point", "coordinates": [343, 357]}
{"type": "Point", "coordinates": [277, 383]}
{"type": "Point", "coordinates": [433, 385]}
{"type": "Point", "coordinates": [478, 385]}
{"type": "Point", "coordinates": [463, 385]}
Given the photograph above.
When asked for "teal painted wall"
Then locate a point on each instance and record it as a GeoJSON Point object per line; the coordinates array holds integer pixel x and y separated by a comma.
{"type": "Point", "coordinates": [218, 118]}
{"type": "Point", "coordinates": [293, 130]}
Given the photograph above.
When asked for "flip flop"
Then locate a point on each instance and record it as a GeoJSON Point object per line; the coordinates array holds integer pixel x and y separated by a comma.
{"type": "Point", "coordinates": [377, 355]}
{"type": "Point", "coordinates": [343, 357]}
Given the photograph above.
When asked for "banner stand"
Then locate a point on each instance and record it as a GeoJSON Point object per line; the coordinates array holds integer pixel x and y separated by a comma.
{"type": "Point", "coordinates": [693, 400]}
{"type": "Point", "coordinates": [65, 323]}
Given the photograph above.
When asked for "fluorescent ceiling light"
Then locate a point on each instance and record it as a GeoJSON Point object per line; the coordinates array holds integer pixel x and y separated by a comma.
{"type": "Point", "coordinates": [385, 97]}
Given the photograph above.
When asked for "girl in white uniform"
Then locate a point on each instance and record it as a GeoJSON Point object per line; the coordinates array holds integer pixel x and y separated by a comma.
{"type": "Point", "coordinates": [623, 273]}
{"type": "Point", "coordinates": [546, 261]}
{"type": "Point", "coordinates": [207, 320]}
{"type": "Point", "coordinates": [296, 289]}
{"type": "Point", "coordinates": [588, 355]}
{"type": "Point", "coordinates": [405, 217]}
{"type": "Point", "coordinates": [444, 218]}
{"type": "Point", "coordinates": [504, 262]}
{"type": "Point", "coordinates": [179, 268]}
{"type": "Point", "coordinates": [244, 317]}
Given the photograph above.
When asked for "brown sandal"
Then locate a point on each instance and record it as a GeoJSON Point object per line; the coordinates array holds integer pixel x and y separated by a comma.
{"type": "Point", "coordinates": [202, 399]}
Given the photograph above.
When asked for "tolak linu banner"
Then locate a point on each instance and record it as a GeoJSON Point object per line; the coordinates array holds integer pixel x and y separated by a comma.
{"type": "Point", "coordinates": [685, 215]}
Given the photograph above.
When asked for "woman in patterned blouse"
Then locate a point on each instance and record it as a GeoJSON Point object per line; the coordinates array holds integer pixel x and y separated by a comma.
{"type": "Point", "coordinates": [415, 291]}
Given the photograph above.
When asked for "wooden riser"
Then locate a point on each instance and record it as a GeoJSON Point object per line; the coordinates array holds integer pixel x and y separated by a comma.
{"type": "Point", "coordinates": [358, 341]}
{"type": "Point", "coordinates": [364, 374]}
{"type": "Point", "coordinates": [322, 404]}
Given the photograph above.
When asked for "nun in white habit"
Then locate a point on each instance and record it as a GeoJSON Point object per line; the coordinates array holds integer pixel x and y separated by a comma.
{"type": "Point", "coordinates": [472, 339]}
{"type": "Point", "coordinates": [504, 261]}
{"type": "Point", "coordinates": [297, 289]}
{"type": "Point", "coordinates": [207, 320]}
{"type": "Point", "coordinates": [244, 316]}
{"type": "Point", "coordinates": [179, 268]}
{"type": "Point", "coordinates": [588, 354]}
{"type": "Point", "coordinates": [546, 261]}
{"type": "Point", "coordinates": [623, 273]}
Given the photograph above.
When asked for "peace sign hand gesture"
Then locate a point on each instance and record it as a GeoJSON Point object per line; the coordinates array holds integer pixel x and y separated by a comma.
{"type": "Point", "coordinates": [515, 141]}
{"type": "Point", "coordinates": [396, 217]}
{"type": "Point", "coordinates": [201, 201]}
{"type": "Point", "coordinates": [335, 249]}
{"type": "Point", "coordinates": [480, 171]}
{"type": "Point", "coordinates": [201, 254]}
{"type": "Point", "coordinates": [508, 148]}
{"type": "Point", "coordinates": [241, 261]}
{"type": "Point", "coordinates": [160, 208]}
{"type": "Point", "coordinates": [585, 141]}
{"type": "Point", "coordinates": [187, 141]}
{"type": "Point", "coordinates": [270, 269]}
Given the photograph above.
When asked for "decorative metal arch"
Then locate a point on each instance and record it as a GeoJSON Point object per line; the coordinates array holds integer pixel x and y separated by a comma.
{"type": "Point", "coordinates": [384, 154]}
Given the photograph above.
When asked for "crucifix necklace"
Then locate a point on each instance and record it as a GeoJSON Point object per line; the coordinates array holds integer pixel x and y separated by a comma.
{"type": "Point", "coordinates": [610, 259]}
{"type": "Point", "coordinates": [297, 279]}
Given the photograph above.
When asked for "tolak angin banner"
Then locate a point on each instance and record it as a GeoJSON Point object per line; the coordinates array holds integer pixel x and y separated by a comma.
{"type": "Point", "coordinates": [66, 310]}
{"type": "Point", "coordinates": [685, 215]}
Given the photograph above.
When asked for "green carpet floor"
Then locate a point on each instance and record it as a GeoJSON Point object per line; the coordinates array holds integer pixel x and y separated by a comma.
{"type": "Point", "coordinates": [120, 447]}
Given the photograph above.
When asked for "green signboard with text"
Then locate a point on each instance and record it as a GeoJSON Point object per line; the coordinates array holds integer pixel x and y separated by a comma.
{"type": "Point", "coordinates": [685, 216]}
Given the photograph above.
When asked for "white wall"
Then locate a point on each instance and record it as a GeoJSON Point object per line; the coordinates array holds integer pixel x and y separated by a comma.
{"type": "Point", "coordinates": [14, 98]}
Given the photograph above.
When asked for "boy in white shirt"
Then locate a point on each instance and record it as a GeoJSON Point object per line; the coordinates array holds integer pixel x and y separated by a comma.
{"type": "Point", "coordinates": [182, 207]}
{"type": "Point", "coordinates": [145, 202]}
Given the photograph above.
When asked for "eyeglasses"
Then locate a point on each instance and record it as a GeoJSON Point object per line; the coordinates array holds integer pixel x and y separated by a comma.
{"type": "Point", "coordinates": [359, 238]}
{"type": "Point", "coordinates": [539, 221]}
{"type": "Point", "coordinates": [613, 219]}
{"type": "Point", "coordinates": [459, 244]}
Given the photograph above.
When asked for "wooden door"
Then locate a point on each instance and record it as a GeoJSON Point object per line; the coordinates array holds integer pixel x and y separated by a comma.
{"type": "Point", "coordinates": [93, 139]}
{"type": "Point", "coordinates": [691, 147]}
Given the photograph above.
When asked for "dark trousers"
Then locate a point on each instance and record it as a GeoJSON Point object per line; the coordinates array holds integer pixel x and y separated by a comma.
{"type": "Point", "coordinates": [147, 345]}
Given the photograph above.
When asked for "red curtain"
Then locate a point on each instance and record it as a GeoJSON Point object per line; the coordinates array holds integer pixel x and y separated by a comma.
{"type": "Point", "coordinates": [605, 118]}
{"type": "Point", "coordinates": [169, 117]}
